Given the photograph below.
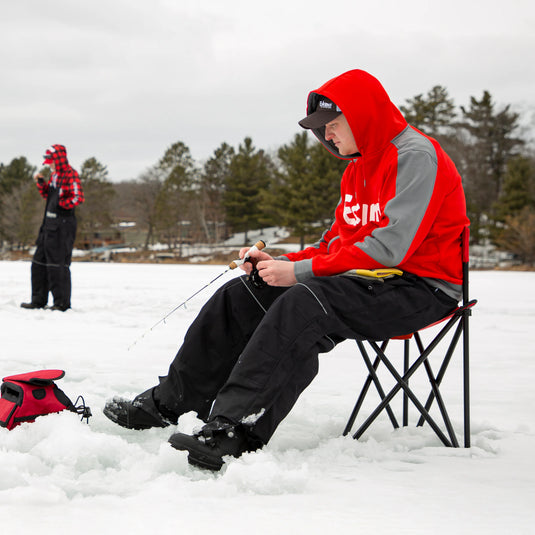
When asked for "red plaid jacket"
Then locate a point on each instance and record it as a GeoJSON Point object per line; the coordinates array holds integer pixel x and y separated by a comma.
{"type": "Point", "coordinates": [65, 178]}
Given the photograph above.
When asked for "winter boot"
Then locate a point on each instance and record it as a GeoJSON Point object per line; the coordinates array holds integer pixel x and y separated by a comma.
{"type": "Point", "coordinates": [140, 413]}
{"type": "Point", "coordinates": [31, 305]}
{"type": "Point", "coordinates": [62, 308]}
{"type": "Point", "coordinates": [215, 440]}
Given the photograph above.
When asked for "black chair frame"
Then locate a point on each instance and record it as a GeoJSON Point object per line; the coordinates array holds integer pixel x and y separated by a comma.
{"type": "Point", "coordinates": [458, 319]}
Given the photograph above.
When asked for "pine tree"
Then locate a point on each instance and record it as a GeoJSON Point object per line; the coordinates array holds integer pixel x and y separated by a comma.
{"type": "Point", "coordinates": [176, 170]}
{"type": "Point", "coordinates": [518, 188]}
{"type": "Point", "coordinates": [433, 114]}
{"type": "Point", "coordinates": [95, 214]}
{"type": "Point", "coordinates": [491, 144]}
{"type": "Point", "coordinates": [250, 174]}
{"type": "Point", "coordinates": [212, 186]}
{"type": "Point", "coordinates": [307, 188]}
{"type": "Point", "coordinates": [515, 209]}
{"type": "Point", "coordinates": [17, 172]}
{"type": "Point", "coordinates": [328, 171]}
{"type": "Point", "coordinates": [287, 196]}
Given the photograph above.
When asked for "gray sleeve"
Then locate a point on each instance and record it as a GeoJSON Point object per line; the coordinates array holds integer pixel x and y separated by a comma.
{"type": "Point", "coordinates": [415, 182]}
{"type": "Point", "coordinates": [303, 270]}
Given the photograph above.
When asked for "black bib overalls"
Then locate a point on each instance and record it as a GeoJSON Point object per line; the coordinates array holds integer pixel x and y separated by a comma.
{"type": "Point", "coordinates": [52, 258]}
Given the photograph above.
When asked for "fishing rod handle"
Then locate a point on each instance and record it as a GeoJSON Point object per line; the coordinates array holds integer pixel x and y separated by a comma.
{"type": "Point", "coordinates": [258, 246]}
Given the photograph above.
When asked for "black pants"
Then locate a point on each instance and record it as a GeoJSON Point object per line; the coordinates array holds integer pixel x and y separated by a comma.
{"type": "Point", "coordinates": [251, 351]}
{"type": "Point", "coordinates": [51, 261]}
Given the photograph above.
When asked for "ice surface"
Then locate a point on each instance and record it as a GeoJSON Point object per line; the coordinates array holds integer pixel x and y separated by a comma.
{"type": "Point", "coordinates": [61, 475]}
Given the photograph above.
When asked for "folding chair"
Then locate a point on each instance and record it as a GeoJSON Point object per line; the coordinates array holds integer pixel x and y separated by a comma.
{"type": "Point", "coordinates": [458, 319]}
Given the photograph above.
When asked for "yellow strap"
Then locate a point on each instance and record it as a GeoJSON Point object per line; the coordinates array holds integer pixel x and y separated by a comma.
{"type": "Point", "coordinates": [380, 273]}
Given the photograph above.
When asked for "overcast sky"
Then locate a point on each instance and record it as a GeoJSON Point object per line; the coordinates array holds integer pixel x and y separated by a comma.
{"type": "Point", "coordinates": [122, 80]}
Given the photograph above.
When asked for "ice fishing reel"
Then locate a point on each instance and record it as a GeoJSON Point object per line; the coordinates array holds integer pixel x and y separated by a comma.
{"type": "Point", "coordinates": [254, 277]}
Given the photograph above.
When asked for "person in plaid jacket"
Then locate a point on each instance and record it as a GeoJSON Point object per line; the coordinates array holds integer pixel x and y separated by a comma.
{"type": "Point", "coordinates": [50, 270]}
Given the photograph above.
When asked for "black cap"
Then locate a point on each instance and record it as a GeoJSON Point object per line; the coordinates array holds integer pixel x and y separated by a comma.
{"type": "Point", "coordinates": [325, 112]}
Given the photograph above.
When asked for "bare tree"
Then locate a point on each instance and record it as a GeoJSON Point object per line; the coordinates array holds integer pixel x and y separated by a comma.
{"type": "Point", "coordinates": [21, 212]}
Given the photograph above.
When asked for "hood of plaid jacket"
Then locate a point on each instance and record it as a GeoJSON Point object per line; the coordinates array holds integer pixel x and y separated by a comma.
{"type": "Point", "coordinates": [57, 154]}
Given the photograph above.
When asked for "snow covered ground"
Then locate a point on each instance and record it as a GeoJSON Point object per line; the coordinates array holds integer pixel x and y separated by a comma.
{"type": "Point", "coordinates": [61, 475]}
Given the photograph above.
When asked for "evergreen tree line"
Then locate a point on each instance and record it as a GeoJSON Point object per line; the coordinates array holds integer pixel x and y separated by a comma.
{"type": "Point", "coordinates": [297, 187]}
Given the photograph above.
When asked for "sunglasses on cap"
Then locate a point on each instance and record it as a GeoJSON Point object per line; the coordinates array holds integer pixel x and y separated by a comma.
{"type": "Point", "coordinates": [47, 158]}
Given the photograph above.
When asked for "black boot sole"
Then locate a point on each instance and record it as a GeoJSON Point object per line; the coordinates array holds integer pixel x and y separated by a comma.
{"type": "Point", "coordinates": [124, 420]}
{"type": "Point", "coordinates": [196, 455]}
{"type": "Point", "coordinates": [31, 306]}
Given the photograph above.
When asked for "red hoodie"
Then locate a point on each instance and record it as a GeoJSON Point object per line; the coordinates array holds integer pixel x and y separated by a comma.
{"type": "Point", "coordinates": [402, 203]}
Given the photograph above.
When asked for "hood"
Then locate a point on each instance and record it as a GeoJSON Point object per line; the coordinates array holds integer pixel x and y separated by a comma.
{"type": "Point", "coordinates": [57, 154]}
{"type": "Point", "coordinates": [373, 118]}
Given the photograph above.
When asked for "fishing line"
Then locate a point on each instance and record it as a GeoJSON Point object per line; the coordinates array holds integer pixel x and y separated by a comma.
{"type": "Point", "coordinates": [258, 246]}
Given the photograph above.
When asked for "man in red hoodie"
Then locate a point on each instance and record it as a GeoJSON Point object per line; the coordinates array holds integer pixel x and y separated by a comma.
{"type": "Point", "coordinates": [254, 348]}
{"type": "Point", "coordinates": [52, 257]}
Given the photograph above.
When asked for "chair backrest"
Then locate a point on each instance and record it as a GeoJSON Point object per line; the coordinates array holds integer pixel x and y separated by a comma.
{"type": "Point", "coordinates": [465, 244]}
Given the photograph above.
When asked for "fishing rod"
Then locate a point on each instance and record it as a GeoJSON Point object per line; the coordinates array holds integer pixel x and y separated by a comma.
{"type": "Point", "coordinates": [258, 246]}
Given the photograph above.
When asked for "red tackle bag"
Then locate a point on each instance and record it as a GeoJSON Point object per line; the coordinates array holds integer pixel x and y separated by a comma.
{"type": "Point", "coordinates": [26, 396]}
